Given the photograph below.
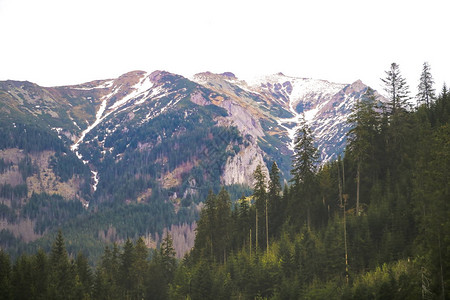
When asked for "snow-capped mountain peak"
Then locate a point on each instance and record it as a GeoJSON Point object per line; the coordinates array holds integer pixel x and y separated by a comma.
{"type": "Point", "coordinates": [286, 100]}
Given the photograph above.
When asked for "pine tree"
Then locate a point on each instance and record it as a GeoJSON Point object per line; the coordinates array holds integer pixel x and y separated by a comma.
{"type": "Point", "coordinates": [244, 220]}
{"type": "Point", "coordinates": [84, 276]}
{"type": "Point", "coordinates": [107, 275]}
{"type": "Point", "coordinates": [305, 155]}
{"type": "Point", "coordinates": [62, 277]}
{"type": "Point", "coordinates": [274, 182]}
{"type": "Point", "coordinates": [205, 236]}
{"type": "Point", "coordinates": [167, 255]}
{"type": "Point", "coordinates": [22, 278]}
{"type": "Point", "coordinates": [41, 269]}
{"type": "Point", "coordinates": [304, 168]}
{"type": "Point", "coordinates": [397, 152]}
{"type": "Point", "coordinates": [361, 138]}
{"type": "Point", "coordinates": [396, 88]}
{"type": "Point", "coordinates": [126, 280]}
{"type": "Point", "coordinates": [5, 276]}
{"type": "Point", "coordinates": [222, 225]}
{"type": "Point", "coordinates": [140, 268]}
{"type": "Point", "coordinates": [274, 199]}
{"type": "Point", "coordinates": [260, 196]}
{"type": "Point", "coordinates": [426, 93]}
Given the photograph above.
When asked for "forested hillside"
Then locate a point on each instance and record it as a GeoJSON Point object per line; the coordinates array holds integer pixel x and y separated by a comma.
{"type": "Point", "coordinates": [374, 224]}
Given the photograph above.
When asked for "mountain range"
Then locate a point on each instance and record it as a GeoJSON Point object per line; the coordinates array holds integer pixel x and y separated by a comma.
{"type": "Point", "coordinates": [153, 143]}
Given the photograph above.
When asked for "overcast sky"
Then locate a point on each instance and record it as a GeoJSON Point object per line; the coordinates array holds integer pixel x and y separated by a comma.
{"type": "Point", "coordinates": [61, 42]}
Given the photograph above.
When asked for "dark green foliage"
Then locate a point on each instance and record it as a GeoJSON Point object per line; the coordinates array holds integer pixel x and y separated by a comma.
{"type": "Point", "coordinates": [276, 207]}
{"type": "Point", "coordinates": [62, 274]}
{"type": "Point", "coordinates": [6, 213]}
{"type": "Point", "coordinates": [214, 228]}
{"type": "Point", "coordinates": [27, 168]}
{"type": "Point", "coordinates": [6, 291]}
{"type": "Point", "coordinates": [4, 166]}
{"type": "Point", "coordinates": [362, 138]}
{"type": "Point", "coordinates": [50, 211]}
{"type": "Point", "coordinates": [426, 94]}
{"type": "Point", "coordinates": [65, 165]}
{"type": "Point", "coordinates": [127, 259]}
{"type": "Point", "coordinates": [8, 240]}
{"type": "Point", "coordinates": [107, 275]}
{"type": "Point", "coordinates": [396, 88]}
{"type": "Point", "coordinates": [260, 200]}
{"type": "Point", "coordinates": [84, 279]}
{"type": "Point", "coordinates": [28, 137]}
{"type": "Point", "coordinates": [14, 194]}
{"type": "Point", "coordinates": [396, 243]}
{"type": "Point", "coordinates": [304, 167]}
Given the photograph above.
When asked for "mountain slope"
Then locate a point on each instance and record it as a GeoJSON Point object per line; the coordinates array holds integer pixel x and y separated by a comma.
{"type": "Point", "coordinates": [153, 143]}
{"type": "Point", "coordinates": [280, 102]}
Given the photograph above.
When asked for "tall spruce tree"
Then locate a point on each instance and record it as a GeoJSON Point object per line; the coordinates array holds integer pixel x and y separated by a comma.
{"type": "Point", "coordinates": [260, 196]}
{"type": "Point", "coordinates": [361, 138]}
{"type": "Point", "coordinates": [274, 199]}
{"type": "Point", "coordinates": [223, 224]}
{"type": "Point", "coordinates": [426, 93]}
{"type": "Point", "coordinates": [396, 88]}
{"type": "Point", "coordinates": [140, 268]}
{"type": "Point", "coordinates": [84, 279]}
{"type": "Point", "coordinates": [244, 220]}
{"type": "Point", "coordinates": [305, 155]}
{"type": "Point", "coordinates": [399, 121]}
{"type": "Point", "coordinates": [205, 237]}
{"type": "Point", "coordinates": [304, 167]}
{"type": "Point", "coordinates": [126, 279]}
{"type": "Point", "coordinates": [5, 276]}
{"type": "Point", "coordinates": [62, 276]}
{"type": "Point", "coordinates": [274, 181]}
{"type": "Point", "coordinates": [167, 256]}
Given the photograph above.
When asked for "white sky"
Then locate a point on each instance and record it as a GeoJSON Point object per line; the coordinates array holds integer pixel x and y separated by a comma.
{"type": "Point", "coordinates": [61, 42]}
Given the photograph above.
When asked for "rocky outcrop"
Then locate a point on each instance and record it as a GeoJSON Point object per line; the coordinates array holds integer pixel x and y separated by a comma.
{"type": "Point", "coordinates": [198, 99]}
{"type": "Point", "coordinates": [239, 168]}
{"type": "Point", "coordinates": [241, 118]}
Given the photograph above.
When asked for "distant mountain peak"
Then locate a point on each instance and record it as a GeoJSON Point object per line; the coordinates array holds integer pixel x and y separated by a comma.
{"type": "Point", "coordinates": [205, 76]}
{"type": "Point", "coordinates": [229, 75]}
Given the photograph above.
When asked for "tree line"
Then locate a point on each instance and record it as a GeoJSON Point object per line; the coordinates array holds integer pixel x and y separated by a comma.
{"type": "Point", "coordinates": [124, 273]}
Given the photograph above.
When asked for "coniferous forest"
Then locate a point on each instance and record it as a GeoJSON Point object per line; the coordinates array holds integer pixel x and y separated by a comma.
{"type": "Point", "coordinates": [374, 224]}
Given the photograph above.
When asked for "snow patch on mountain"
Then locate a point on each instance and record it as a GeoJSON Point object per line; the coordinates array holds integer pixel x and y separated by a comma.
{"type": "Point", "coordinates": [266, 100]}
{"type": "Point", "coordinates": [104, 85]}
{"type": "Point", "coordinates": [143, 86]}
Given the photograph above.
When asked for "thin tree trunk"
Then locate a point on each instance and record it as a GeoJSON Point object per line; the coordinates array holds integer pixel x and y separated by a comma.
{"type": "Point", "coordinates": [343, 177]}
{"type": "Point", "coordinates": [256, 229]}
{"type": "Point", "coordinates": [267, 228]}
{"type": "Point", "coordinates": [339, 185]}
{"type": "Point", "coordinates": [250, 248]}
{"type": "Point", "coordinates": [308, 218]}
{"type": "Point", "coordinates": [358, 179]}
{"type": "Point", "coordinates": [345, 240]}
{"type": "Point", "coordinates": [343, 202]}
{"type": "Point", "coordinates": [440, 263]}
{"type": "Point", "coordinates": [211, 245]}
